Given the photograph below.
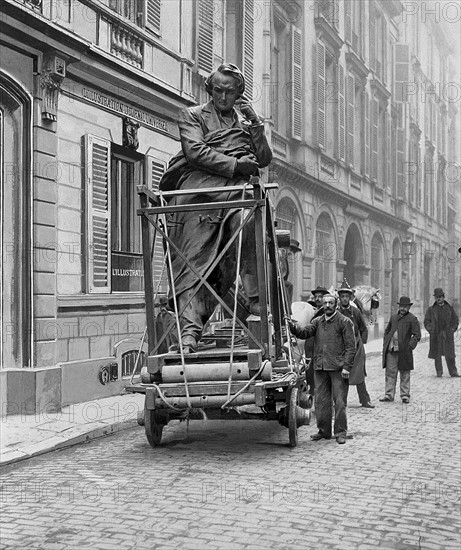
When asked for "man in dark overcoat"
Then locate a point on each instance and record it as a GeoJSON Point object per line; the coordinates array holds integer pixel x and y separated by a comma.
{"type": "Point", "coordinates": [441, 321]}
{"type": "Point", "coordinates": [401, 337]}
{"type": "Point", "coordinates": [358, 373]}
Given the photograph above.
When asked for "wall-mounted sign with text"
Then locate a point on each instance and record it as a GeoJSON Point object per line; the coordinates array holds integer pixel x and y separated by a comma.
{"type": "Point", "coordinates": [121, 108]}
{"type": "Point", "coordinates": [127, 272]}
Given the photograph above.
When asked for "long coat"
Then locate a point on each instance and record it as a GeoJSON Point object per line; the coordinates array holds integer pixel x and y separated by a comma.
{"type": "Point", "coordinates": [441, 322]}
{"type": "Point", "coordinates": [358, 372]}
{"type": "Point", "coordinates": [409, 334]}
{"type": "Point", "coordinates": [210, 150]}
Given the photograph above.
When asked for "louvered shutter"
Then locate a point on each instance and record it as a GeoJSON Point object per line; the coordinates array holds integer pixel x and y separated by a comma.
{"type": "Point", "coordinates": [384, 38]}
{"type": "Point", "coordinates": [367, 148]}
{"type": "Point", "coordinates": [388, 163]}
{"type": "Point", "coordinates": [153, 9]}
{"type": "Point", "coordinates": [321, 94]}
{"type": "Point", "coordinates": [97, 178]}
{"type": "Point", "coordinates": [348, 20]}
{"type": "Point", "coordinates": [248, 46]}
{"type": "Point", "coordinates": [402, 71]}
{"type": "Point", "coordinates": [374, 138]}
{"type": "Point", "coordinates": [350, 119]}
{"type": "Point", "coordinates": [296, 83]}
{"type": "Point", "coordinates": [400, 163]}
{"type": "Point", "coordinates": [154, 171]}
{"type": "Point", "coordinates": [372, 38]}
{"type": "Point", "coordinates": [341, 114]}
{"type": "Point", "coordinates": [205, 35]}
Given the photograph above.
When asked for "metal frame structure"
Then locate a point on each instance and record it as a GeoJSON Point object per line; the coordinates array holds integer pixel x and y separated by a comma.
{"type": "Point", "coordinates": [218, 383]}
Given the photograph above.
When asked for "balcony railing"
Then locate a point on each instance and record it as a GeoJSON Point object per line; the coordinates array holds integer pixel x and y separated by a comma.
{"type": "Point", "coordinates": [126, 46]}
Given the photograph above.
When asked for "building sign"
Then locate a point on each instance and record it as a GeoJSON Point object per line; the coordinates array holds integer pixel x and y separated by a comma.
{"type": "Point", "coordinates": [121, 108]}
{"type": "Point", "coordinates": [127, 273]}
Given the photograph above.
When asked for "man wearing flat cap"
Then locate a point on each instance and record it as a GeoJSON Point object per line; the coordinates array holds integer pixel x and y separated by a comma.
{"type": "Point", "coordinates": [442, 322]}
{"type": "Point", "coordinates": [401, 336]}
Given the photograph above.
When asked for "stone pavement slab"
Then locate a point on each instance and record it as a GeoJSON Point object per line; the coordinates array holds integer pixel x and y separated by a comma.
{"type": "Point", "coordinates": [25, 436]}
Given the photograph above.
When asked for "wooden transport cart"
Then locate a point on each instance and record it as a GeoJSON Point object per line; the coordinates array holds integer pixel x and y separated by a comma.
{"type": "Point", "coordinates": [250, 377]}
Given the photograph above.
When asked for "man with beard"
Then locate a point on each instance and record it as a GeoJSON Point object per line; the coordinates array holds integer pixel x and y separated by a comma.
{"type": "Point", "coordinates": [401, 337]}
{"type": "Point", "coordinates": [334, 351]}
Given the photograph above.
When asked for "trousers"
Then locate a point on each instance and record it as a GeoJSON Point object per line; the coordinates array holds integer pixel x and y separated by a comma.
{"type": "Point", "coordinates": [202, 302]}
{"type": "Point", "coordinates": [451, 365]}
{"type": "Point", "coordinates": [391, 377]}
{"type": "Point", "coordinates": [330, 385]}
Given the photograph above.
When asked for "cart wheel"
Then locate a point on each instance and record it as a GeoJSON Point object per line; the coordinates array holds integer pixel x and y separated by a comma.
{"type": "Point", "coordinates": [292, 425]}
{"type": "Point", "coordinates": [153, 424]}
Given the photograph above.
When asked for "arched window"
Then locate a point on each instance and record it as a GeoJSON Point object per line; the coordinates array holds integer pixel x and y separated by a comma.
{"type": "Point", "coordinates": [325, 251]}
{"type": "Point", "coordinates": [377, 262]}
{"type": "Point", "coordinates": [286, 216]}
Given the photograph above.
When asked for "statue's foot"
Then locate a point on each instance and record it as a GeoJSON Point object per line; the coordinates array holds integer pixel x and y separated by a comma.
{"type": "Point", "coordinates": [254, 307]}
{"type": "Point", "coordinates": [189, 344]}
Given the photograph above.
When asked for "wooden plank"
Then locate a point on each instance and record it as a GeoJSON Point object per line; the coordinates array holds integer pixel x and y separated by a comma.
{"type": "Point", "coordinates": [201, 206]}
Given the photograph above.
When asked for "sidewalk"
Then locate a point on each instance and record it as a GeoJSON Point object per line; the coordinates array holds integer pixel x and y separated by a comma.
{"type": "Point", "coordinates": [25, 436]}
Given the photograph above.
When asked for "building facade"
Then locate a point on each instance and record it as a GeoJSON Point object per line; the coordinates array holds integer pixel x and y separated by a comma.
{"type": "Point", "coordinates": [368, 172]}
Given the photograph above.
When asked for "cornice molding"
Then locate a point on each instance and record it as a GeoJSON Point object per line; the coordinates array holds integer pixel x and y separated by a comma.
{"type": "Point", "coordinates": [329, 193]}
{"type": "Point", "coordinates": [356, 65]}
{"type": "Point", "coordinates": [328, 34]}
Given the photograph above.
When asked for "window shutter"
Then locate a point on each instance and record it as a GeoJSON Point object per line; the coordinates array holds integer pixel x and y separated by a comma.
{"type": "Point", "coordinates": [374, 138]}
{"type": "Point", "coordinates": [296, 83]}
{"type": "Point", "coordinates": [372, 40]}
{"type": "Point", "coordinates": [388, 178]}
{"type": "Point", "coordinates": [321, 94]}
{"type": "Point", "coordinates": [402, 71]}
{"type": "Point", "coordinates": [154, 170]}
{"type": "Point", "coordinates": [205, 35]}
{"type": "Point", "coordinates": [366, 109]}
{"type": "Point", "coordinates": [153, 15]}
{"type": "Point", "coordinates": [350, 119]}
{"type": "Point", "coordinates": [97, 178]}
{"type": "Point", "coordinates": [400, 163]}
{"type": "Point", "coordinates": [341, 114]}
{"type": "Point", "coordinates": [383, 76]}
{"type": "Point", "coordinates": [248, 46]}
{"type": "Point", "coordinates": [348, 20]}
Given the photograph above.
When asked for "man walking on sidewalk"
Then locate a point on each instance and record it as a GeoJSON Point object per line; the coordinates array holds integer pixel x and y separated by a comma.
{"type": "Point", "coordinates": [401, 336]}
{"type": "Point", "coordinates": [441, 322]}
{"type": "Point", "coordinates": [334, 350]}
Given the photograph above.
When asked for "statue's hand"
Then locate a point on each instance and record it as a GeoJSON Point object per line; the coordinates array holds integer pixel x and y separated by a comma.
{"type": "Point", "coordinates": [248, 112]}
{"type": "Point", "coordinates": [247, 166]}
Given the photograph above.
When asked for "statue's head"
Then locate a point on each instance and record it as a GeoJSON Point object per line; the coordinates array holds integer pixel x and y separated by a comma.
{"type": "Point", "coordinates": [225, 85]}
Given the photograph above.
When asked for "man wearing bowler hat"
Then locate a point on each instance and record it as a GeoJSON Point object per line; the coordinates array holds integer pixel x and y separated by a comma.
{"type": "Point", "coordinates": [401, 336]}
{"type": "Point", "coordinates": [442, 322]}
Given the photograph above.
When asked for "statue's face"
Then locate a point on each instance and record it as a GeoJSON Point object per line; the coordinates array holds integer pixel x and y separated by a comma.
{"type": "Point", "coordinates": [224, 92]}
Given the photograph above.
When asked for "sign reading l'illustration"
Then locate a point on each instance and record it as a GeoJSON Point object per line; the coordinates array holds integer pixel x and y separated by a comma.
{"type": "Point", "coordinates": [127, 273]}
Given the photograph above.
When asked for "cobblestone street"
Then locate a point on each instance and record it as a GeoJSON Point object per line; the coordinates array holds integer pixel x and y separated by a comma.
{"type": "Point", "coordinates": [236, 485]}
